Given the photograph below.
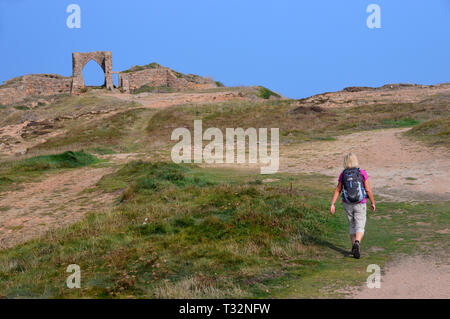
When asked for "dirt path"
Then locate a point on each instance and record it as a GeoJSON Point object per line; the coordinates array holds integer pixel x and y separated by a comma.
{"type": "Point", "coordinates": [399, 169]}
{"type": "Point", "coordinates": [161, 100]}
{"type": "Point", "coordinates": [18, 146]}
{"type": "Point", "coordinates": [57, 199]}
{"type": "Point", "coordinates": [54, 201]}
{"type": "Point", "coordinates": [411, 278]}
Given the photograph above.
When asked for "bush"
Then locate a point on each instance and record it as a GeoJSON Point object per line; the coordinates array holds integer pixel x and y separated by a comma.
{"type": "Point", "coordinates": [21, 107]}
{"type": "Point", "coordinates": [435, 131]}
{"type": "Point", "coordinates": [402, 122]}
{"type": "Point", "coordinates": [138, 177]}
{"type": "Point", "coordinates": [152, 89]}
{"type": "Point", "coordinates": [64, 160]}
{"type": "Point", "coordinates": [265, 93]}
{"type": "Point", "coordinates": [136, 68]}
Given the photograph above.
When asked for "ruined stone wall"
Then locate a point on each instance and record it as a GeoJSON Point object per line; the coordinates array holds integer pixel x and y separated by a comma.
{"type": "Point", "coordinates": [49, 84]}
{"type": "Point", "coordinates": [11, 95]}
{"type": "Point", "coordinates": [19, 89]}
{"type": "Point", "coordinates": [33, 85]}
{"type": "Point", "coordinates": [12, 91]}
{"type": "Point", "coordinates": [124, 82]}
{"type": "Point", "coordinates": [163, 77]}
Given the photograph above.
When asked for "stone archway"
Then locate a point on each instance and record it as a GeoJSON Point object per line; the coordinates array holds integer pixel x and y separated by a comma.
{"type": "Point", "coordinates": [79, 60]}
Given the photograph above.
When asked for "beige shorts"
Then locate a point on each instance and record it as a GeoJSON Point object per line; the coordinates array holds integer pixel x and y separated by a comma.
{"type": "Point", "coordinates": [356, 215]}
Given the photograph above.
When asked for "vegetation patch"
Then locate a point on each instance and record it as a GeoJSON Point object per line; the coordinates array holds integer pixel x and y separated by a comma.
{"type": "Point", "coordinates": [21, 107]}
{"type": "Point", "coordinates": [67, 159]}
{"type": "Point", "coordinates": [152, 89]}
{"type": "Point", "coordinates": [174, 224]}
{"type": "Point", "coordinates": [435, 132]}
{"type": "Point", "coordinates": [402, 122]}
{"type": "Point", "coordinates": [102, 151]}
{"type": "Point", "coordinates": [61, 107]}
{"type": "Point", "coordinates": [297, 124]}
{"type": "Point", "coordinates": [180, 231]}
{"type": "Point", "coordinates": [103, 134]}
{"type": "Point", "coordinates": [265, 93]}
{"type": "Point", "coordinates": [136, 68]}
{"type": "Point", "coordinates": [13, 173]}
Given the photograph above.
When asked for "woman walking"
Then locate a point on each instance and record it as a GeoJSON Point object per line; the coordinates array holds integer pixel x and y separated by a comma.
{"type": "Point", "coordinates": [354, 185]}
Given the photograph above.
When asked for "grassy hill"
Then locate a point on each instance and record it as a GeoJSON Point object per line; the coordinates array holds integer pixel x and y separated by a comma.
{"type": "Point", "coordinates": [143, 129]}
{"type": "Point", "coordinates": [183, 231]}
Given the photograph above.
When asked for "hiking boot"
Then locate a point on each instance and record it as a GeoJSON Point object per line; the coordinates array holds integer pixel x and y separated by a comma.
{"type": "Point", "coordinates": [355, 250]}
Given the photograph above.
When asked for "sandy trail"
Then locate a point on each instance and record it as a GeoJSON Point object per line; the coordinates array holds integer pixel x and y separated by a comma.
{"type": "Point", "coordinates": [398, 168]}
{"type": "Point", "coordinates": [54, 201]}
{"type": "Point", "coordinates": [57, 199]}
{"type": "Point", "coordinates": [161, 100]}
{"type": "Point", "coordinates": [411, 278]}
{"type": "Point", "coordinates": [145, 100]}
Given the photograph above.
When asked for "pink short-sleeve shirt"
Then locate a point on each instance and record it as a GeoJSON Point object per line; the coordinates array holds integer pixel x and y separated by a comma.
{"type": "Point", "coordinates": [364, 177]}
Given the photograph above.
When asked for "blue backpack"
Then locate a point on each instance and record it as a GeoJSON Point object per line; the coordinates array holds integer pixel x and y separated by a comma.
{"type": "Point", "coordinates": [353, 190]}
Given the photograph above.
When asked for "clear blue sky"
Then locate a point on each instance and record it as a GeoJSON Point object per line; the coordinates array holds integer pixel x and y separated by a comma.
{"type": "Point", "coordinates": [297, 48]}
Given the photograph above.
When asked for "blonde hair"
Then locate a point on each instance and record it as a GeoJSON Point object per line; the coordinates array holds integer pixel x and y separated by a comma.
{"type": "Point", "coordinates": [350, 160]}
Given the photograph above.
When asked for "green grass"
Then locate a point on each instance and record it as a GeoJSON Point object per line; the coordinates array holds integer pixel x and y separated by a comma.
{"type": "Point", "coordinates": [118, 132]}
{"type": "Point", "coordinates": [64, 160]}
{"type": "Point", "coordinates": [136, 68]}
{"type": "Point", "coordinates": [296, 124]}
{"type": "Point", "coordinates": [152, 89]}
{"type": "Point", "coordinates": [265, 93]}
{"type": "Point", "coordinates": [176, 223]}
{"type": "Point", "coordinates": [394, 235]}
{"type": "Point", "coordinates": [186, 232]}
{"type": "Point", "coordinates": [16, 172]}
{"type": "Point", "coordinates": [61, 106]}
{"type": "Point", "coordinates": [143, 129]}
{"type": "Point", "coordinates": [435, 132]}
{"type": "Point", "coordinates": [102, 150]}
{"type": "Point", "coordinates": [402, 122]}
{"type": "Point", "coordinates": [21, 107]}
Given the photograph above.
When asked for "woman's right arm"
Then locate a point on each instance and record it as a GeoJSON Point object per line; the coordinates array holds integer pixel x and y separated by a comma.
{"type": "Point", "coordinates": [369, 194]}
{"type": "Point", "coordinates": [337, 191]}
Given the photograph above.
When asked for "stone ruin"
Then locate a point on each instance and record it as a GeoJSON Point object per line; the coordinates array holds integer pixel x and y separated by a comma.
{"type": "Point", "coordinates": [79, 60]}
{"type": "Point", "coordinates": [153, 75]}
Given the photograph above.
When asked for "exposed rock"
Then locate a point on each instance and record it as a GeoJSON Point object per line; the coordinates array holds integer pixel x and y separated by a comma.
{"type": "Point", "coordinates": [357, 88]}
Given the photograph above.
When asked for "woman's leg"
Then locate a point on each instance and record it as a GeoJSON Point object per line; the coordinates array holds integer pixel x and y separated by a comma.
{"type": "Point", "coordinates": [360, 220]}
{"type": "Point", "coordinates": [358, 236]}
{"type": "Point", "coordinates": [351, 221]}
